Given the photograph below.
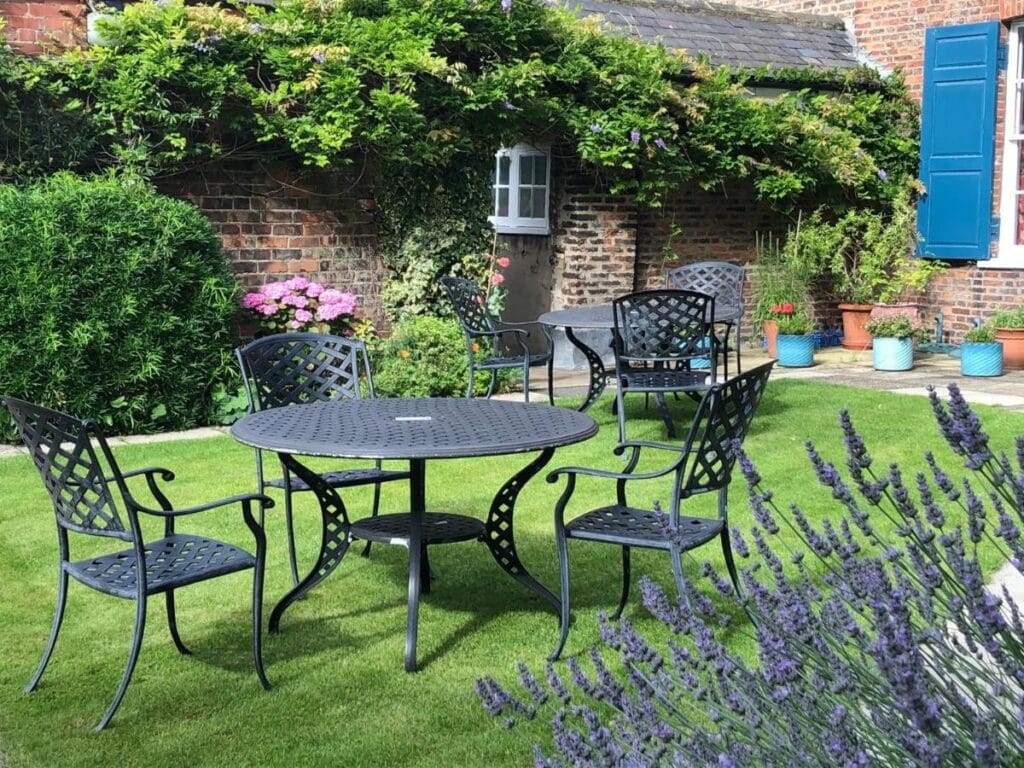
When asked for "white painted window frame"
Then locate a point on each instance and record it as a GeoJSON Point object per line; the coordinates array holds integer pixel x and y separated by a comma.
{"type": "Point", "coordinates": [1011, 255]}
{"type": "Point", "coordinates": [514, 224]}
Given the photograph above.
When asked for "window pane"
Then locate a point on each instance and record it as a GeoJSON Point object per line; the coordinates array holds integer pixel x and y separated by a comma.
{"type": "Point", "coordinates": [540, 200]}
{"type": "Point", "coordinates": [525, 169]}
{"type": "Point", "coordinates": [525, 201]}
{"type": "Point", "coordinates": [502, 201]}
{"type": "Point", "coordinates": [540, 169]}
{"type": "Point", "coordinates": [504, 164]}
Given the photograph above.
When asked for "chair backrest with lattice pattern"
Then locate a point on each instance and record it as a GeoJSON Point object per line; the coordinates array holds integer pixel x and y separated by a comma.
{"type": "Point", "coordinates": [62, 449]}
{"type": "Point", "coordinates": [723, 417]}
{"type": "Point", "coordinates": [720, 279]}
{"type": "Point", "coordinates": [469, 303]}
{"type": "Point", "coordinates": [294, 368]}
{"type": "Point", "coordinates": [662, 325]}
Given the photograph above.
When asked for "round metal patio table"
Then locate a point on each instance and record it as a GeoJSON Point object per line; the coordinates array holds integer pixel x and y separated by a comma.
{"type": "Point", "coordinates": [599, 316]}
{"type": "Point", "coordinates": [414, 429]}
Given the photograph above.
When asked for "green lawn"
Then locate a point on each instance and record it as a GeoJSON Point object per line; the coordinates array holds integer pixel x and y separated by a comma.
{"type": "Point", "coordinates": [340, 696]}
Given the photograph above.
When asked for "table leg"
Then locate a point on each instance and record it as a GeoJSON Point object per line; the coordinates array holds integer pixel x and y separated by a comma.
{"type": "Point", "coordinates": [334, 538]}
{"type": "Point", "coordinates": [417, 507]}
{"type": "Point", "coordinates": [498, 530]}
{"type": "Point", "coordinates": [598, 375]}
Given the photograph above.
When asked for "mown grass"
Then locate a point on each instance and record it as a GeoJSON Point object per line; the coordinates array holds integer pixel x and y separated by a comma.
{"type": "Point", "coordinates": [340, 696]}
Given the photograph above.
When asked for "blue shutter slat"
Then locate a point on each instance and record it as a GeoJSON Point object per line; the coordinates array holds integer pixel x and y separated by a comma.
{"type": "Point", "coordinates": [958, 109]}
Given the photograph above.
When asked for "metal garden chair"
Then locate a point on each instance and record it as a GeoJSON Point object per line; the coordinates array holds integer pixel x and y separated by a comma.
{"type": "Point", "coordinates": [294, 368]}
{"type": "Point", "coordinates": [703, 463]}
{"type": "Point", "coordinates": [81, 474]}
{"type": "Point", "coordinates": [506, 341]}
{"type": "Point", "coordinates": [724, 281]}
{"type": "Point", "coordinates": [657, 337]}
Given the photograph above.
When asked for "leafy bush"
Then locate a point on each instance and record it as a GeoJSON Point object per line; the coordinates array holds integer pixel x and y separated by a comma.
{"type": "Point", "coordinates": [1008, 318]}
{"type": "Point", "coordinates": [115, 303]}
{"type": "Point", "coordinates": [982, 335]}
{"type": "Point", "coordinates": [892, 327]}
{"type": "Point", "coordinates": [887, 651]}
{"type": "Point", "coordinates": [425, 357]}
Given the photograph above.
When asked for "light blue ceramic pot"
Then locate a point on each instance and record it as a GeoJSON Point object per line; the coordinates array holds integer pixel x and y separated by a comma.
{"type": "Point", "coordinates": [981, 358]}
{"type": "Point", "coordinates": [795, 351]}
{"type": "Point", "coordinates": [890, 354]}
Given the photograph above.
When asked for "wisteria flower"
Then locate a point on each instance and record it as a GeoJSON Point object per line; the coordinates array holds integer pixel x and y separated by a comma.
{"type": "Point", "coordinates": [660, 143]}
{"type": "Point", "coordinates": [595, 128]}
{"type": "Point", "coordinates": [506, 6]}
{"type": "Point", "coordinates": [634, 136]}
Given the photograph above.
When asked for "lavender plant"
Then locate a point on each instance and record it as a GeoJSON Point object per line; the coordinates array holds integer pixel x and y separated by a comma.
{"type": "Point", "coordinates": [874, 648]}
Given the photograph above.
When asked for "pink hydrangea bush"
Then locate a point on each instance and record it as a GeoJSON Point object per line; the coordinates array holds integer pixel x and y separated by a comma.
{"type": "Point", "coordinates": [300, 304]}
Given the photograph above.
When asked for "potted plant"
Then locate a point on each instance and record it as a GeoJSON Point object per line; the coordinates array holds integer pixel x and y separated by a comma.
{"type": "Point", "coordinates": [778, 278]}
{"type": "Point", "coordinates": [869, 256]}
{"type": "Point", "coordinates": [795, 345]}
{"type": "Point", "coordinates": [1009, 328]}
{"type": "Point", "coordinates": [980, 353]}
{"type": "Point", "coordinates": [893, 342]}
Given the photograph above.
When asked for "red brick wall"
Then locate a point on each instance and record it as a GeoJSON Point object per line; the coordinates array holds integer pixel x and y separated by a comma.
{"type": "Point", "coordinates": [34, 26]}
{"type": "Point", "coordinates": [594, 243]}
{"type": "Point", "coordinates": [275, 224]}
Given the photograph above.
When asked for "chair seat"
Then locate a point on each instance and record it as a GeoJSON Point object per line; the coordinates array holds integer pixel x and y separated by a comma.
{"type": "Point", "coordinates": [438, 528]}
{"type": "Point", "coordinates": [663, 379]}
{"type": "Point", "coordinates": [640, 528]}
{"type": "Point", "coordinates": [343, 478]}
{"type": "Point", "coordinates": [509, 362]}
{"type": "Point", "coordinates": [170, 563]}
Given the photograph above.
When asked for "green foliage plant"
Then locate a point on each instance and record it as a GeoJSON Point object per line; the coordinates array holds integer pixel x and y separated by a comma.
{"type": "Point", "coordinates": [116, 303]}
{"type": "Point", "coordinates": [1008, 318]}
{"type": "Point", "coordinates": [424, 357]}
{"type": "Point", "coordinates": [983, 334]}
{"type": "Point", "coordinates": [868, 253]}
{"type": "Point", "coordinates": [893, 327]}
{"type": "Point", "coordinates": [796, 323]}
{"type": "Point", "coordinates": [778, 278]}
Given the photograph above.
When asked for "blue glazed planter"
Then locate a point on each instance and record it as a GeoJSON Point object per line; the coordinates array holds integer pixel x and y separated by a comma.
{"type": "Point", "coordinates": [795, 351]}
{"type": "Point", "coordinates": [893, 354]}
{"type": "Point", "coordinates": [981, 358]}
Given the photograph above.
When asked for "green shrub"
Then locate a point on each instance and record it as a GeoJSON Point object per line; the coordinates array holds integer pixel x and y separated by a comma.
{"type": "Point", "coordinates": [115, 303]}
{"type": "Point", "coordinates": [1008, 318]}
{"type": "Point", "coordinates": [982, 335]}
{"type": "Point", "coordinates": [425, 357]}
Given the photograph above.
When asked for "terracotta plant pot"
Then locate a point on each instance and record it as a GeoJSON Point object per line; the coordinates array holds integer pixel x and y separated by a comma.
{"type": "Point", "coordinates": [911, 310]}
{"type": "Point", "coordinates": [1013, 347]}
{"type": "Point", "coordinates": [855, 317]}
{"type": "Point", "coordinates": [771, 333]}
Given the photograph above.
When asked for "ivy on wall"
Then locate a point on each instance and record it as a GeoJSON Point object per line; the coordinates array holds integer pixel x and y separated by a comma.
{"type": "Point", "coordinates": [428, 89]}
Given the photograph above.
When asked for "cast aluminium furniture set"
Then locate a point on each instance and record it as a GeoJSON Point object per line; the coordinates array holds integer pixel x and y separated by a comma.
{"type": "Point", "coordinates": [311, 395]}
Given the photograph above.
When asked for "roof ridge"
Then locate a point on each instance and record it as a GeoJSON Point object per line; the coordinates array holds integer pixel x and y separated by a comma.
{"type": "Point", "coordinates": [727, 9]}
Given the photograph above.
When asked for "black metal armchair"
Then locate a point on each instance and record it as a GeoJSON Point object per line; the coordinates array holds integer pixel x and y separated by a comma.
{"type": "Point", "coordinates": [506, 341]}
{"type": "Point", "coordinates": [724, 281]}
{"type": "Point", "coordinates": [294, 368]}
{"type": "Point", "coordinates": [80, 480]}
{"type": "Point", "coordinates": [702, 464]}
{"type": "Point", "coordinates": [657, 337]}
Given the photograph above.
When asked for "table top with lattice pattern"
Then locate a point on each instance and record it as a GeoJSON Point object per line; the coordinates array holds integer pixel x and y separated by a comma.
{"type": "Point", "coordinates": [413, 428]}
{"type": "Point", "coordinates": [600, 316]}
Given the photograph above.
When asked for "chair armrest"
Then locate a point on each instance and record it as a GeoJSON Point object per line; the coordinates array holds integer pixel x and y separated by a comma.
{"type": "Point", "coordinates": [621, 448]}
{"type": "Point", "coordinates": [165, 474]}
{"type": "Point", "coordinates": [244, 498]}
{"type": "Point", "coordinates": [588, 472]}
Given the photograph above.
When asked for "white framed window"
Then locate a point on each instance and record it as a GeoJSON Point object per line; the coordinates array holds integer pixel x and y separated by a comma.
{"type": "Point", "coordinates": [1011, 204]}
{"type": "Point", "coordinates": [522, 183]}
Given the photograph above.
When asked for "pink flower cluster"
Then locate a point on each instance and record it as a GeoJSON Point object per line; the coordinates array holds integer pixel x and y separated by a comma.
{"type": "Point", "coordinates": [299, 304]}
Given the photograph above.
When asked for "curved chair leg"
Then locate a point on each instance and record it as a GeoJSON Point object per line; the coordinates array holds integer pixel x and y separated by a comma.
{"type": "Point", "coordinates": [551, 380]}
{"type": "Point", "coordinates": [373, 513]}
{"type": "Point", "coordinates": [729, 562]}
{"type": "Point", "coordinates": [58, 618]}
{"type": "Point", "coordinates": [293, 563]}
{"type": "Point", "coordinates": [563, 577]}
{"type": "Point", "coordinates": [620, 412]}
{"type": "Point", "coordinates": [172, 624]}
{"type": "Point", "coordinates": [494, 383]}
{"type": "Point", "coordinates": [739, 366]}
{"type": "Point", "coordinates": [469, 389]}
{"type": "Point", "coordinates": [526, 382]}
{"type": "Point", "coordinates": [677, 572]}
{"type": "Point", "coordinates": [625, 583]}
{"type": "Point", "coordinates": [133, 656]}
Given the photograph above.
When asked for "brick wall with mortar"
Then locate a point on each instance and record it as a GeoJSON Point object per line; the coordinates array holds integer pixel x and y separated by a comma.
{"type": "Point", "coordinates": [32, 27]}
{"type": "Point", "coordinates": [275, 223]}
{"type": "Point", "coordinates": [891, 34]}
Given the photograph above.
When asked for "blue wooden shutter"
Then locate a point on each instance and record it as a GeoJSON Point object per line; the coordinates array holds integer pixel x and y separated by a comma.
{"type": "Point", "coordinates": [958, 108]}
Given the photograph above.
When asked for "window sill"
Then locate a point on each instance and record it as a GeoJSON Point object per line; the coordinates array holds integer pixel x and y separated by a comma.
{"type": "Point", "coordinates": [1005, 262]}
{"type": "Point", "coordinates": [517, 229]}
